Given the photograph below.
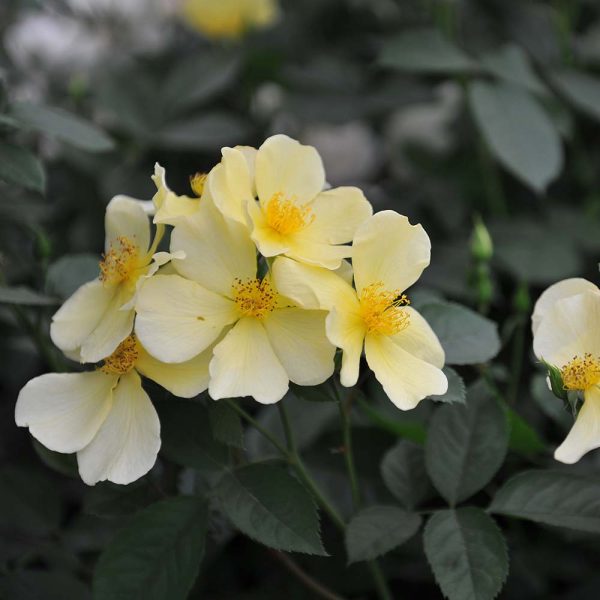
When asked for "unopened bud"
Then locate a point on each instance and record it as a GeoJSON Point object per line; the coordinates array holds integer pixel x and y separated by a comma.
{"type": "Point", "coordinates": [197, 183]}
{"type": "Point", "coordinates": [522, 300]}
{"type": "Point", "coordinates": [482, 247]}
{"type": "Point", "coordinates": [555, 380]}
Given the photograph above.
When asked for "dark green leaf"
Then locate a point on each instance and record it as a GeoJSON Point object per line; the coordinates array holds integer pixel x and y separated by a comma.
{"type": "Point", "coordinates": [107, 499]}
{"type": "Point", "coordinates": [24, 296]}
{"type": "Point", "coordinates": [21, 167]}
{"type": "Point", "coordinates": [523, 438]}
{"type": "Point", "coordinates": [457, 393]}
{"type": "Point", "coordinates": [156, 556]}
{"type": "Point", "coordinates": [582, 90]}
{"type": "Point", "coordinates": [225, 424]}
{"type": "Point", "coordinates": [425, 51]}
{"type": "Point", "coordinates": [269, 505]}
{"type": "Point", "coordinates": [467, 337]}
{"type": "Point", "coordinates": [65, 464]}
{"type": "Point", "coordinates": [376, 530]}
{"type": "Point", "coordinates": [70, 272]}
{"type": "Point", "coordinates": [32, 584]}
{"type": "Point", "coordinates": [466, 445]}
{"type": "Point", "coordinates": [467, 554]}
{"type": "Point", "coordinates": [62, 125]}
{"type": "Point", "coordinates": [518, 132]}
{"type": "Point", "coordinates": [314, 393]}
{"type": "Point", "coordinates": [551, 497]}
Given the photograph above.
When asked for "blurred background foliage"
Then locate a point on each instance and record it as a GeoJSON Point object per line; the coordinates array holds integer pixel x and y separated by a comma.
{"type": "Point", "coordinates": [479, 119]}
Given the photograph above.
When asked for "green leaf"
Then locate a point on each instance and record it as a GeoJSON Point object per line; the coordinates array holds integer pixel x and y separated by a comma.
{"type": "Point", "coordinates": [467, 553]}
{"type": "Point", "coordinates": [523, 438]}
{"type": "Point", "coordinates": [466, 445]}
{"type": "Point", "coordinates": [457, 393]}
{"type": "Point", "coordinates": [314, 393]}
{"type": "Point", "coordinates": [467, 337]}
{"type": "Point", "coordinates": [24, 297]}
{"type": "Point", "coordinates": [206, 132]}
{"type": "Point", "coordinates": [70, 272]}
{"type": "Point", "coordinates": [269, 505]}
{"type": "Point", "coordinates": [580, 89]}
{"type": "Point", "coordinates": [225, 424]}
{"type": "Point", "coordinates": [187, 438]}
{"type": "Point", "coordinates": [376, 530]}
{"type": "Point", "coordinates": [62, 125]}
{"type": "Point", "coordinates": [425, 51]}
{"type": "Point", "coordinates": [518, 132]}
{"type": "Point", "coordinates": [404, 474]}
{"type": "Point", "coordinates": [552, 497]}
{"type": "Point", "coordinates": [31, 584]}
{"type": "Point", "coordinates": [21, 167]}
{"type": "Point", "coordinates": [511, 64]}
{"type": "Point", "coordinates": [156, 556]}
{"type": "Point", "coordinates": [65, 464]}
{"type": "Point", "coordinates": [107, 499]}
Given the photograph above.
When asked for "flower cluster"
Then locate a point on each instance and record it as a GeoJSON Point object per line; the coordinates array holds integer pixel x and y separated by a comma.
{"type": "Point", "coordinates": [256, 292]}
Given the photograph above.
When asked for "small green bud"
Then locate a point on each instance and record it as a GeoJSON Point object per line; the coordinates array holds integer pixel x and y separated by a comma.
{"type": "Point", "coordinates": [522, 300]}
{"type": "Point", "coordinates": [556, 381]}
{"type": "Point", "coordinates": [482, 248]}
{"type": "Point", "coordinates": [43, 245]}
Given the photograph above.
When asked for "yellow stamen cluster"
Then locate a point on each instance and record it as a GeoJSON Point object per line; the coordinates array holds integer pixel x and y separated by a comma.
{"type": "Point", "coordinates": [581, 373]}
{"type": "Point", "coordinates": [382, 310]}
{"type": "Point", "coordinates": [197, 183]}
{"type": "Point", "coordinates": [123, 359]}
{"type": "Point", "coordinates": [119, 261]}
{"type": "Point", "coordinates": [285, 216]}
{"type": "Point", "coordinates": [254, 297]}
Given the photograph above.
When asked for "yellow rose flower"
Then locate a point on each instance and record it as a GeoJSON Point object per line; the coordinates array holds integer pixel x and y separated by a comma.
{"type": "Point", "coordinates": [294, 215]}
{"type": "Point", "coordinates": [169, 207]}
{"type": "Point", "coordinates": [388, 256]}
{"type": "Point", "coordinates": [566, 334]}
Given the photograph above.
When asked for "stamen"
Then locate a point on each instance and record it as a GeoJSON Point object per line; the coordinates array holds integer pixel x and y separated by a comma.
{"type": "Point", "coordinates": [254, 297]}
{"type": "Point", "coordinates": [197, 183]}
{"type": "Point", "coordinates": [285, 216]}
{"type": "Point", "coordinates": [123, 359]}
{"type": "Point", "coordinates": [581, 373]}
{"type": "Point", "coordinates": [119, 261]}
{"type": "Point", "coordinates": [382, 310]}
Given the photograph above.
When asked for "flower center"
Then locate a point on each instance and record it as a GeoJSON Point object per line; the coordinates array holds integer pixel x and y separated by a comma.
{"type": "Point", "coordinates": [197, 183]}
{"type": "Point", "coordinates": [123, 359]}
{"type": "Point", "coordinates": [254, 297]}
{"type": "Point", "coordinates": [382, 310]}
{"type": "Point", "coordinates": [581, 373]}
{"type": "Point", "coordinates": [285, 216]}
{"type": "Point", "coordinates": [119, 262]}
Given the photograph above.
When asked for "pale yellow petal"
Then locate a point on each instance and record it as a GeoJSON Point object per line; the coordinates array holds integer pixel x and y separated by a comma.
{"type": "Point", "coordinates": [217, 251]}
{"type": "Point", "coordinates": [126, 217]}
{"type": "Point", "coordinates": [65, 410]}
{"type": "Point", "coordinates": [178, 319]}
{"type": "Point", "coordinates": [558, 291]}
{"type": "Point", "coordinates": [405, 378]}
{"type": "Point", "coordinates": [169, 206]}
{"type": "Point", "coordinates": [127, 443]}
{"type": "Point", "coordinates": [389, 249]}
{"type": "Point", "coordinates": [346, 329]}
{"type": "Point", "coordinates": [301, 345]}
{"type": "Point", "coordinates": [312, 287]}
{"type": "Point", "coordinates": [307, 250]}
{"type": "Point", "coordinates": [185, 379]}
{"type": "Point", "coordinates": [285, 166]}
{"type": "Point", "coordinates": [245, 364]}
{"type": "Point", "coordinates": [268, 241]}
{"type": "Point", "coordinates": [585, 433]}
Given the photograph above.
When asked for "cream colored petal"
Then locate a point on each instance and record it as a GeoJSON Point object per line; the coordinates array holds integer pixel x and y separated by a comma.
{"type": "Point", "coordinates": [126, 217]}
{"type": "Point", "coordinates": [337, 215]}
{"type": "Point", "coordinates": [80, 314]}
{"type": "Point", "coordinates": [312, 287]}
{"type": "Point", "coordinates": [345, 271]}
{"type": "Point", "coordinates": [405, 378]}
{"type": "Point", "coordinates": [65, 410]}
{"type": "Point", "coordinates": [307, 250]}
{"type": "Point", "coordinates": [389, 249]}
{"type": "Point", "coordinates": [301, 345]}
{"type": "Point", "coordinates": [346, 329]}
{"type": "Point", "coordinates": [231, 184]}
{"type": "Point", "coordinates": [126, 445]}
{"type": "Point", "coordinates": [419, 340]}
{"type": "Point", "coordinates": [585, 433]}
{"type": "Point", "coordinates": [558, 291]}
{"type": "Point", "coordinates": [285, 166]}
{"type": "Point", "coordinates": [169, 207]}
{"type": "Point", "coordinates": [571, 327]}
{"type": "Point", "coordinates": [216, 250]}
{"type": "Point", "coordinates": [177, 319]}
{"type": "Point", "coordinates": [244, 364]}
{"type": "Point", "coordinates": [185, 379]}
{"type": "Point", "coordinates": [268, 241]}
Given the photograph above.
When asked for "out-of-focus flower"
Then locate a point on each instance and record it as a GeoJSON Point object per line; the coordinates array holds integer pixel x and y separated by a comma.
{"type": "Point", "coordinates": [228, 18]}
{"type": "Point", "coordinates": [259, 340]}
{"type": "Point", "coordinates": [99, 315]}
{"type": "Point", "coordinates": [105, 416]}
{"type": "Point", "coordinates": [566, 335]}
{"type": "Point", "coordinates": [293, 215]}
{"type": "Point", "coordinates": [388, 256]}
{"type": "Point", "coordinates": [349, 152]}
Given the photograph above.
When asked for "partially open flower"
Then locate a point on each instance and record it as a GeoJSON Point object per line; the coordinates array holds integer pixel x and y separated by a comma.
{"type": "Point", "coordinates": [388, 256]}
{"type": "Point", "coordinates": [566, 334]}
{"type": "Point", "coordinates": [105, 416]}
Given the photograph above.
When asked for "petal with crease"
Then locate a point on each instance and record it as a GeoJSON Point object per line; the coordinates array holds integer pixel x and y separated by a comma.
{"type": "Point", "coordinates": [346, 329]}
{"type": "Point", "coordinates": [126, 217]}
